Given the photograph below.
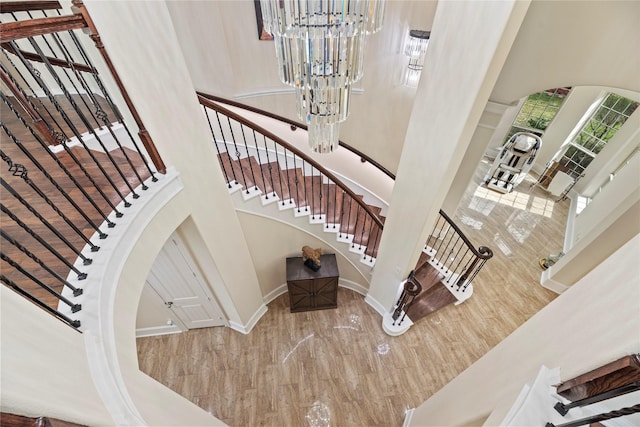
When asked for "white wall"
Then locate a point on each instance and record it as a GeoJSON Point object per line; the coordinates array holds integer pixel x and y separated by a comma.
{"type": "Point", "coordinates": [560, 44]}
{"type": "Point", "coordinates": [161, 88]}
{"type": "Point", "coordinates": [45, 371]}
{"type": "Point", "coordinates": [623, 143]}
{"type": "Point", "coordinates": [622, 191]}
{"type": "Point", "coordinates": [220, 38]}
{"type": "Point", "coordinates": [154, 318]}
{"type": "Point", "coordinates": [446, 112]}
{"type": "Point", "coordinates": [595, 322]}
{"type": "Point", "coordinates": [273, 241]}
{"type": "Point", "coordinates": [144, 50]}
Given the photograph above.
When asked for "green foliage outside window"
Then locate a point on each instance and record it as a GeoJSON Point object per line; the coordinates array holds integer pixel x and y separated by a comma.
{"type": "Point", "coordinates": [605, 122]}
{"type": "Point", "coordinates": [538, 111]}
{"type": "Point", "coordinates": [540, 108]}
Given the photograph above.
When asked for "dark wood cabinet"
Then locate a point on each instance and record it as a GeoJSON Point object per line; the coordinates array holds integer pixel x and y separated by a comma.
{"type": "Point", "coordinates": [312, 290]}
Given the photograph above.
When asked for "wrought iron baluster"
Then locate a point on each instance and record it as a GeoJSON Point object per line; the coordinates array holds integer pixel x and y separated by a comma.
{"type": "Point", "coordinates": [441, 238]}
{"type": "Point", "coordinates": [297, 182]}
{"type": "Point", "coordinates": [69, 123]}
{"type": "Point", "coordinates": [264, 181]}
{"type": "Point", "coordinates": [226, 147]}
{"type": "Point", "coordinates": [600, 417]}
{"type": "Point", "coordinates": [286, 169]}
{"type": "Point", "coordinates": [471, 262]}
{"type": "Point", "coordinates": [27, 252]}
{"type": "Point", "coordinates": [53, 181]}
{"type": "Point", "coordinates": [342, 211]}
{"type": "Point", "coordinates": [313, 196]}
{"type": "Point", "coordinates": [355, 227]}
{"type": "Point", "coordinates": [270, 167]}
{"type": "Point", "coordinates": [363, 227]}
{"type": "Point", "coordinates": [374, 248]}
{"type": "Point", "coordinates": [246, 147]}
{"type": "Point", "coordinates": [33, 210]}
{"type": "Point", "coordinates": [33, 95]}
{"type": "Point", "coordinates": [237, 153]}
{"type": "Point", "coordinates": [44, 243]}
{"type": "Point", "coordinates": [335, 205]}
{"type": "Point", "coordinates": [19, 170]}
{"type": "Point", "coordinates": [348, 227]}
{"type": "Point", "coordinates": [224, 169]}
{"type": "Point", "coordinates": [563, 409]}
{"type": "Point", "coordinates": [143, 134]}
{"type": "Point", "coordinates": [18, 267]}
{"type": "Point", "coordinates": [445, 253]}
{"type": "Point", "coordinates": [327, 196]}
{"type": "Point", "coordinates": [320, 195]}
{"type": "Point", "coordinates": [484, 251]}
{"type": "Point", "coordinates": [75, 131]}
{"type": "Point", "coordinates": [304, 186]}
{"type": "Point", "coordinates": [75, 88]}
{"type": "Point", "coordinates": [457, 256]}
{"type": "Point", "coordinates": [18, 289]}
{"type": "Point", "coordinates": [88, 126]}
{"type": "Point", "coordinates": [110, 223]}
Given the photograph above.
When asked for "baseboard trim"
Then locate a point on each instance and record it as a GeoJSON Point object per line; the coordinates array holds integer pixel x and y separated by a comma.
{"type": "Point", "coordinates": [282, 289]}
{"type": "Point", "coordinates": [547, 282]}
{"type": "Point", "coordinates": [245, 329]}
{"type": "Point", "coordinates": [356, 287]}
{"type": "Point", "coordinates": [157, 330]}
{"type": "Point", "coordinates": [375, 304]}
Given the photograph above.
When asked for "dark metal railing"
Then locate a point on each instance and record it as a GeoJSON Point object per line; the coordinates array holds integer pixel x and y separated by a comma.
{"type": "Point", "coordinates": [609, 381]}
{"type": "Point", "coordinates": [71, 161]}
{"type": "Point", "coordinates": [453, 254]}
{"type": "Point", "coordinates": [451, 251]}
{"type": "Point", "coordinates": [294, 124]}
{"type": "Point", "coordinates": [410, 290]}
{"type": "Point", "coordinates": [600, 417]}
{"type": "Point", "coordinates": [260, 161]}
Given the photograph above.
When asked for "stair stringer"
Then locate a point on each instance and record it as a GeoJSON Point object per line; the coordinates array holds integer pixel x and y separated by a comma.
{"type": "Point", "coordinates": [254, 206]}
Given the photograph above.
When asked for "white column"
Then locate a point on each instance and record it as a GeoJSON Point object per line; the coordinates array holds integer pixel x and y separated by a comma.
{"type": "Point", "coordinates": [491, 118]}
{"type": "Point", "coordinates": [469, 44]}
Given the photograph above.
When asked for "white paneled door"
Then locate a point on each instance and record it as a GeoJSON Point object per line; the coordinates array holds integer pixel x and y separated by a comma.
{"type": "Point", "coordinates": [177, 280]}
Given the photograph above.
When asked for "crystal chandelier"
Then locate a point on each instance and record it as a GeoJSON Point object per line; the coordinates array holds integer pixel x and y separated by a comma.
{"type": "Point", "coordinates": [320, 49]}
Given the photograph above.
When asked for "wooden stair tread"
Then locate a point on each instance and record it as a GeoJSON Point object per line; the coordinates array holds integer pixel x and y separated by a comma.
{"type": "Point", "coordinates": [310, 192]}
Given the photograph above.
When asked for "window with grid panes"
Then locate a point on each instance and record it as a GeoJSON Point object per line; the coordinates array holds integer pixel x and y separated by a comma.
{"type": "Point", "coordinates": [601, 126]}
{"type": "Point", "coordinates": [538, 111]}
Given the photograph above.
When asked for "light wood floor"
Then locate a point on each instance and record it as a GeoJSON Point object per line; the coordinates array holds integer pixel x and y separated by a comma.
{"type": "Point", "coordinates": [337, 367]}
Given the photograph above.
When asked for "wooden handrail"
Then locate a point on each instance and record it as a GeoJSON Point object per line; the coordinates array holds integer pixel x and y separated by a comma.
{"type": "Point", "coordinates": [10, 31]}
{"type": "Point", "coordinates": [600, 380]}
{"type": "Point", "coordinates": [482, 252]}
{"type": "Point", "coordinates": [24, 6]}
{"type": "Point", "coordinates": [214, 106]}
{"type": "Point", "coordinates": [298, 125]}
{"type": "Point", "coordinates": [53, 61]}
{"type": "Point", "coordinates": [144, 135]}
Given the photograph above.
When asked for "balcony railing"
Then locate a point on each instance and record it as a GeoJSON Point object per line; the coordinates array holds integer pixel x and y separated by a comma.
{"type": "Point", "coordinates": [261, 163]}
{"type": "Point", "coordinates": [264, 164]}
{"type": "Point", "coordinates": [72, 165]}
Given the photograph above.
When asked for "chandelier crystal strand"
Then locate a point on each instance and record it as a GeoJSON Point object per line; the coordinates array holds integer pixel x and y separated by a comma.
{"type": "Point", "coordinates": [320, 51]}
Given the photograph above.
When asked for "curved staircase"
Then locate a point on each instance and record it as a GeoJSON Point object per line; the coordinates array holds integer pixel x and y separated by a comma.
{"type": "Point", "coordinates": [259, 165]}
{"type": "Point", "coordinates": [273, 178]}
{"type": "Point", "coordinates": [308, 195]}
